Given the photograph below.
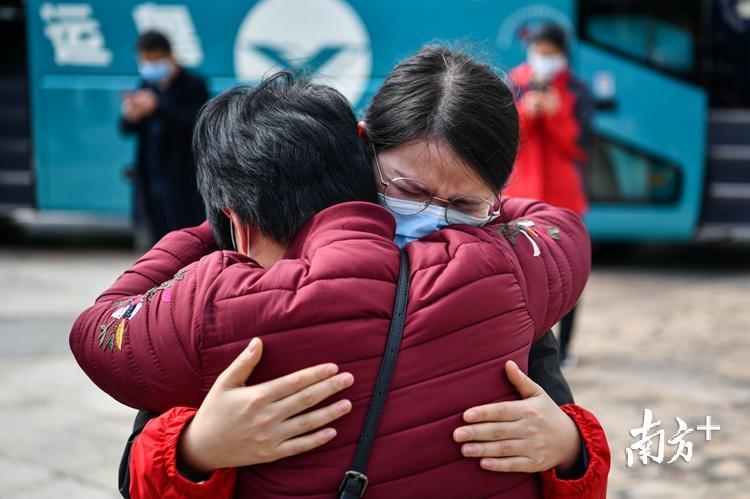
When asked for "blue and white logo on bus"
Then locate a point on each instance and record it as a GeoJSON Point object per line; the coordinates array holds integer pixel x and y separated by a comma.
{"type": "Point", "coordinates": [325, 39]}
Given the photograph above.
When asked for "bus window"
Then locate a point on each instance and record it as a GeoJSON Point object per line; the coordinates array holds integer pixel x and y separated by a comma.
{"type": "Point", "coordinates": [623, 174]}
{"type": "Point", "coordinates": [661, 34]}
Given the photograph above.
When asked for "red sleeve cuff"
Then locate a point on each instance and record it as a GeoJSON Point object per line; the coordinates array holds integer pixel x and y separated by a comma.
{"type": "Point", "coordinates": [153, 463]}
{"type": "Point", "coordinates": [593, 484]}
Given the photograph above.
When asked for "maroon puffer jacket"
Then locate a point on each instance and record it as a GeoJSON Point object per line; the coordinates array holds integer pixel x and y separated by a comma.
{"type": "Point", "coordinates": [478, 297]}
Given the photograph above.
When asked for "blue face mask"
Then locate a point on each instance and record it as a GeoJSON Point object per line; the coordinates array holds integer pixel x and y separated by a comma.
{"type": "Point", "coordinates": [431, 219]}
{"type": "Point", "coordinates": [412, 227]}
{"type": "Point", "coordinates": [155, 72]}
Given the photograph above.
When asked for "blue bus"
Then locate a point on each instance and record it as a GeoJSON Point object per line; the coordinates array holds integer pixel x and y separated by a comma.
{"type": "Point", "coordinates": [671, 159]}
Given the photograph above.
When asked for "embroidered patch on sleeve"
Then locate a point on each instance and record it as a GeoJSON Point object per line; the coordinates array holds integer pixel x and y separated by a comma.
{"type": "Point", "coordinates": [149, 295]}
{"type": "Point", "coordinates": [128, 311]}
{"type": "Point", "coordinates": [118, 334]}
{"type": "Point", "coordinates": [118, 321]}
{"type": "Point", "coordinates": [112, 332]}
{"type": "Point", "coordinates": [511, 230]}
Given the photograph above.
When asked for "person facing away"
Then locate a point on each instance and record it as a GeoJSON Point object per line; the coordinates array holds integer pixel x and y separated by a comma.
{"type": "Point", "coordinates": [314, 276]}
{"type": "Point", "coordinates": [161, 113]}
{"type": "Point", "coordinates": [555, 109]}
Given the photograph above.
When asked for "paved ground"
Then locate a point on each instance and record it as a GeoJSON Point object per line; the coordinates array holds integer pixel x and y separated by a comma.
{"type": "Point", "coordinates": [667, 329]}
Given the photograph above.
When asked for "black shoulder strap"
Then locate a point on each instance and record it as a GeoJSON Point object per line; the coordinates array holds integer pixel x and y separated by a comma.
{"type": "Point", "coordinates": [355, 481]}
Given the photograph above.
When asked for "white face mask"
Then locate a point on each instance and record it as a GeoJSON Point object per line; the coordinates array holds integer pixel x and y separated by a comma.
{"type": "Point", "coordinates": [546, 67]}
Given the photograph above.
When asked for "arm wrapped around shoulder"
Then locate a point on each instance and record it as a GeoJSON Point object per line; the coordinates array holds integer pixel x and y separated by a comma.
{"type": "Point", "coordinates": [552, 251]}
{"type": "Point", "coordinates": [138, 342]}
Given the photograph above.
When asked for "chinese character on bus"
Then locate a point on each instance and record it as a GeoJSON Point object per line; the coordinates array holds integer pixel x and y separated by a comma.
{"type": "Point", "coordinates": [175, 23]}
{"type": "Point", "coordinates": [75, 35]}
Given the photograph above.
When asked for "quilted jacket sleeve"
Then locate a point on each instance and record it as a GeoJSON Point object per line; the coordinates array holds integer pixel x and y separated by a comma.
{"type": "Point", "coordinates": [153, 463]}
{"type": "Point", "coordinates": [593, 484]}
{"type": "Point", "coordinates": [137, 341]}
{"type": "Point", "coordinates": [552, 251]}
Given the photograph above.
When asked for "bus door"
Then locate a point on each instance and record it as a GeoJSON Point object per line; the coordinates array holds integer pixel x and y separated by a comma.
{"type": "Point", "coordinates": [726, 212]}
{"type": "Point", "coordinates": [646, 173]}
{"type": "Point", "coordinates": [16, 189]}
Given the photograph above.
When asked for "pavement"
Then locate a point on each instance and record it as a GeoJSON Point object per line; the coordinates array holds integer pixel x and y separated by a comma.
{"type": "Point", "coordinates": [670, 332]}
{"type": "Point", "coordinates": [664, 328]}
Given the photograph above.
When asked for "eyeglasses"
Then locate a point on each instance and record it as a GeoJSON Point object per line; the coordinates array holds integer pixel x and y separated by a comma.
{"type": "Point", "coordinates": [459, 210]}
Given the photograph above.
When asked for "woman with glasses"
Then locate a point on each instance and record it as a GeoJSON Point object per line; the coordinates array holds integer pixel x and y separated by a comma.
{"type": "Point", "coordinates": [419, 212]}
{"type": "Point", "coordinates": [442, 133]}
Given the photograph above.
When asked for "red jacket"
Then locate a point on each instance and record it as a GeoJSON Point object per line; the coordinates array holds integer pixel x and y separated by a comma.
{"type": "Point", "coordinates": [546, 166]}
{"type": "Point", "coordinates": [330, 300]}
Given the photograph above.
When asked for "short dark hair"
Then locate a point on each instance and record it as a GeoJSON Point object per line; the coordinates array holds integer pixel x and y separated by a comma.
{"type": "Point", "coordinates": [151, 41]}
{"type": "Point", "coordinates": [551, 33]}
{"type": "Point", "coordinates": [447, 95]}
{"type": "Point", "coordinates": [277, 154]}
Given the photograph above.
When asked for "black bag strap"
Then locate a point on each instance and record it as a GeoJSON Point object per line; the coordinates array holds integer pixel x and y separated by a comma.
{"type": "Point", "coordinates": [355, 481]}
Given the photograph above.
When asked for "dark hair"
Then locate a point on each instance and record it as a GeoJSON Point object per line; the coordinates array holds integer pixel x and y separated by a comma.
{"type": "Point", "coordinates": [446, 95]}
{"type": "Point", "coordinates": [551, 33]}
{"type": "Point", "coordinates": [277, 154]}
{"type": "Point", "coordinates": [153, 40]}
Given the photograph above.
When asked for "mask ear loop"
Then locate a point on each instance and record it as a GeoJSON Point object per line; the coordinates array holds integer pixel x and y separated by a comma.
{"type": "Point", "coordinates": [247, 235]}
{"type": "Point", "coordinates": [231, 235]}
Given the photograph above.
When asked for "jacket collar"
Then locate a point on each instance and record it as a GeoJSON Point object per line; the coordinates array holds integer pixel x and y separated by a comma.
{"type": "Point", "coordinates": [350, 220]}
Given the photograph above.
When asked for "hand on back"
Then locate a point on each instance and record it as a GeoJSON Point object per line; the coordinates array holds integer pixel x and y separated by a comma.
{"type": "Point", "coordinates": [528, 435]}
{"type": "Point", "coordinates": [240, 425]}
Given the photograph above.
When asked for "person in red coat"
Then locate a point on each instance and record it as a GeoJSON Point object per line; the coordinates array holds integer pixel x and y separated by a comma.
{"type": "Point", "coordinates": [555, 110]}
{"type": "Point", "coordinates": [318, 289]}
